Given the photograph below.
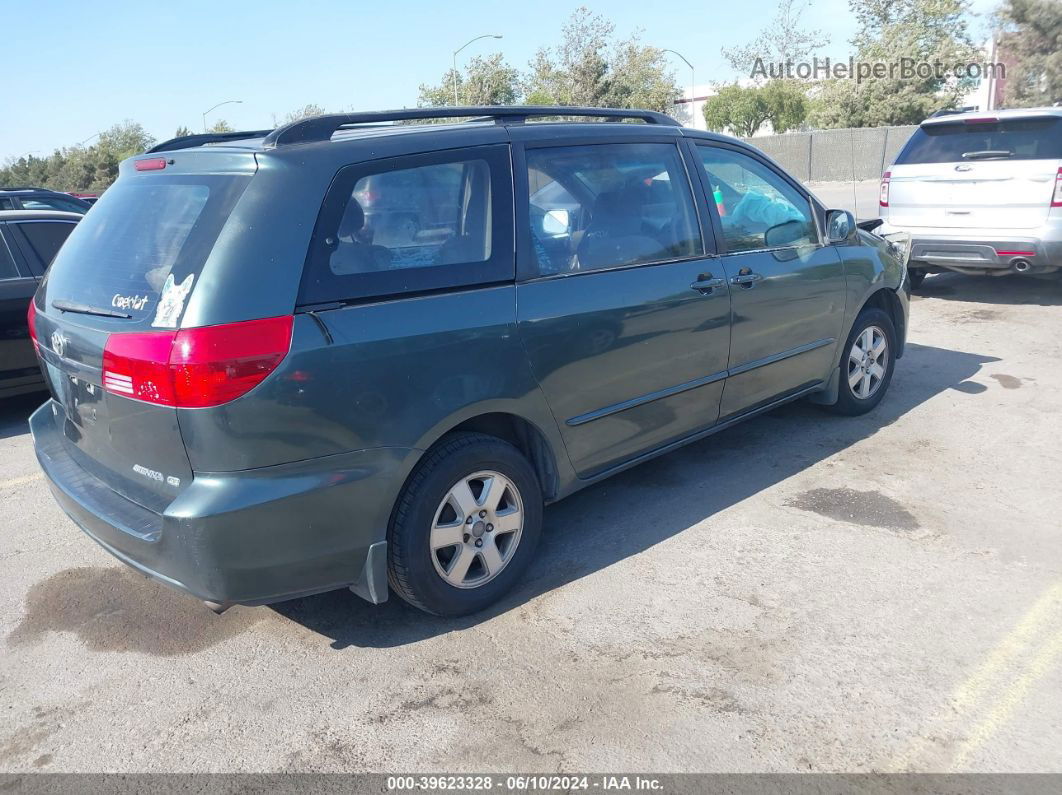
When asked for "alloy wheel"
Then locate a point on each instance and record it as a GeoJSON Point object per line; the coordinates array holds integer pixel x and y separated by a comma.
{"type": "Point", "coordinates": [867, 360]}
{"type": "Point", "coordinates": [476, 529]}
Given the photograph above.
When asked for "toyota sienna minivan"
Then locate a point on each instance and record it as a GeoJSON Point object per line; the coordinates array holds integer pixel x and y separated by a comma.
{"type": "Point", "coordinates": [256, 394]}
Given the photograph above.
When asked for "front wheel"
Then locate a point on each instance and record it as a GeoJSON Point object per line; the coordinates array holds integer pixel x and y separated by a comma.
{"type": "Point", "coordinates": [465, 527]}
{"type": "Point", "coordinates": [866, 364]}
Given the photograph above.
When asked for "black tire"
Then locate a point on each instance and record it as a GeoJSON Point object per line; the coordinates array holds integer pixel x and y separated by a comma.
{"type": "Point", "coordinates": [917, 276]}
{"type": "Point", "coordinates": [411, 570]}
{"type": "Point", "coordinates": [848, 402]}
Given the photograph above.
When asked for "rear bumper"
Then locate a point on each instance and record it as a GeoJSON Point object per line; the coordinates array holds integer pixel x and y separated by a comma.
{"type": "Point", "coordinates": [249, 537]}
{"type": "Point", "coordinates": [986, 251]}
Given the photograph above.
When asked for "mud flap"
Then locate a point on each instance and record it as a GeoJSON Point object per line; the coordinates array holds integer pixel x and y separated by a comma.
{"type": "Point", "coordinates": [371, 584]}
{"type": "Point", "coordinates": [828, 396]}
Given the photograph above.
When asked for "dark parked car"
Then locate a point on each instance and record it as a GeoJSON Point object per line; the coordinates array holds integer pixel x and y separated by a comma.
{"type": "Point", "coordinates": [29, 241]}
{"type": "Point", "coordinates": [254, 397]}
{"type": "Point", "coordinates": [88, 198]}
{"type": "Point", "coordinates": [41, 199]}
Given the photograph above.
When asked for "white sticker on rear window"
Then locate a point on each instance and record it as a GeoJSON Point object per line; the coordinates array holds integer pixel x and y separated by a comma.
{"type": "Point", "coordinates": [171, 302]}
{"type": "Point", "coordinates": [136, 302]}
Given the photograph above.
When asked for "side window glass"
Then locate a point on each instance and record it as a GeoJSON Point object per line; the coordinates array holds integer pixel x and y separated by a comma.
{"type": "Point", "coordinates": [431, 221]}
{"type": "Point", "coordinates": [606, 205]}
{"type": "Point", "coordinates": [430, 216]}
{"type": "Point", "coordinates": [758, 209]}
{"type": "Point", "coordinates": [46, 238]}
{"type": "Point", "coordinates": [52, 203]}
{"type": "Point", "coordinates": [7, 204]}
{"type": "Point", "coordinates": [7, 264]}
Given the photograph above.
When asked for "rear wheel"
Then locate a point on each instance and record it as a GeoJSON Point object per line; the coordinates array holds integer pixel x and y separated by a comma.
{"type": "Point", "coordinates": [466, 526]}
{"type": "Point", "coordinates": [867, 363]}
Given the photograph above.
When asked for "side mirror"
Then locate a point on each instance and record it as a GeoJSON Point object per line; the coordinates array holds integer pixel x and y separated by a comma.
{"type": "Point", "coordinates": [556, 222]}
{"type": "Point", "coordinates": [785, 234]}
{"type": "Point", "coordinates": [840, 226]}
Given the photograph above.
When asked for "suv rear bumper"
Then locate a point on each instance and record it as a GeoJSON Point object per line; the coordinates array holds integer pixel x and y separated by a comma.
{"type": "Point", "coordinates": [250, 537]}
{"type": "Point", "coordinates": [986, 251]}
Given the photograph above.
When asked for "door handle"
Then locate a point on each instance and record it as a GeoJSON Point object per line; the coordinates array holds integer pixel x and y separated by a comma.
{"type": "Point", "coordinates": [706, 284]}
{"type": "Point", "coordinates": [746, 278]}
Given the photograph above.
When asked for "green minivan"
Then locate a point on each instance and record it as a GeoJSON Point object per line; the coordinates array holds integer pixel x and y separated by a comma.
{"type": "Point", "coordinates": [358, 352]}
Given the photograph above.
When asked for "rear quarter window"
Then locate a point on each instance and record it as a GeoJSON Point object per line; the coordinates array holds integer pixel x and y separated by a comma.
{"type": "Point", "coordinates": [1023, 139]}
{"type": "Point", "coordinates": [413, 224]}
{"type": "Point", "coordinates": [142, 248]}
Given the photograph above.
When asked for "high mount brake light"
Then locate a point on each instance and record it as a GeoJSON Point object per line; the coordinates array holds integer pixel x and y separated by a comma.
{"type": "Point", "coordinates": [151, 164]}
{"type": "Point", "coordinates": [195, 367]}
{"type": "Point", "coordinates": [883, 195]}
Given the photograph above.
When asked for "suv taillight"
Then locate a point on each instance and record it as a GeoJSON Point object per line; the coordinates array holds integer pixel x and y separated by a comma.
{"type": "Point", "coordinates": [31, 321]}
{"type": "Point", "coordinates": [883, 195]}
{"type": "Point", "coordinates": [1056, 200]}
{"type": "Point", "coordinates": [195, 367]}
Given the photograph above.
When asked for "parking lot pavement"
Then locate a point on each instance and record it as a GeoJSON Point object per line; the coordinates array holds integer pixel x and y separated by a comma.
{"type": "Point", "coordinates": [801, 593]}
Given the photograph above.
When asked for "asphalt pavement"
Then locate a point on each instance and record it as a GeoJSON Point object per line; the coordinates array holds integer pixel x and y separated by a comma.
{"type": "Point", "coordinates": [800, 593]}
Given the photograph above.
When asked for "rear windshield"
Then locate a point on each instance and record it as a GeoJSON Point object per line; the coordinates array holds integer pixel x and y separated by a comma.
{"type": "Point", "coordinates": [141, 249]}
{"type": "Point", "coordinates": [1020, 139]}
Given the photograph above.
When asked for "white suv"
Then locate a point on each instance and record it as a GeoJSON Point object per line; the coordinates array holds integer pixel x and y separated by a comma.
{"type": "Point", "coordinates": [979, 193]}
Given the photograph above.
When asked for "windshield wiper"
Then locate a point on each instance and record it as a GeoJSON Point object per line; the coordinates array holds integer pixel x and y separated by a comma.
{"type": "Point", "coordinates": [85, 309]}
{"type": "Point", "coordinates": [986, 154]}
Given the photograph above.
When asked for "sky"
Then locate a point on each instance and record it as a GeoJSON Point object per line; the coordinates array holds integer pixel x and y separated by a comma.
{"type": "Point", "coordinates": [75, 68]}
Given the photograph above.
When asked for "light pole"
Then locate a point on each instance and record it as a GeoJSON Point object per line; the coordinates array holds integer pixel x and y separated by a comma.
{"type": "Point", "coordinates": [82, 143]}
{"type": "Point", "coordinates": [484, 36]}
{"type": "Point", "coordinates": [226, 102]}
{"type": "Point", "coordinates": [693, 75]}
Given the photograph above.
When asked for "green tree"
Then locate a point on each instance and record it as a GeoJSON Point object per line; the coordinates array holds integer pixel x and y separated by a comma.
{"type": "Point", "coordinates": [305, 112]}
{"type": "Point", "coordinates": [1032, 37]}
{"type": "Point", "coordinates": [485, 80]}
{"type": "Point", "coordinates": [924, 31]}
{"type": "Point", "coordinates": [592, 67]}
{"type": "Point", "coordinates": [787, 104]}
{"type": "Point", "coordinates": [80, 168]}
{"type": "Point", "coordinates": [221, 126]}
{"type": "Point", "coordinates": [182, 131]}
{"type": "Point", "coordinates": [743, 110]}
{"type": "Point", "coordinates": [782, 40]}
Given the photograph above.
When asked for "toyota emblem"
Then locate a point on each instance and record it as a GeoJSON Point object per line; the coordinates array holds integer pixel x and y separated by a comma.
{"type": "Point", "coordinates": [58, 342]}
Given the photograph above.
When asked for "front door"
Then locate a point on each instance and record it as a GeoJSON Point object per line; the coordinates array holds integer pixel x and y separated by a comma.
{"type": "Point", "coordinates": [624, 316]}
{"type": "Point", "coordinates": [787, 289]}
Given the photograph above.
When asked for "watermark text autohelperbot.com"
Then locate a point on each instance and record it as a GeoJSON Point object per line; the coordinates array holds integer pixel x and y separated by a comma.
{"type": "Point", "coordinates": [901, 69]}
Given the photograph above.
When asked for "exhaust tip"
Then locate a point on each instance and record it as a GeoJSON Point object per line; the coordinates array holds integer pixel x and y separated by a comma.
{"type": "Point", "coordinates": [1020, 265]}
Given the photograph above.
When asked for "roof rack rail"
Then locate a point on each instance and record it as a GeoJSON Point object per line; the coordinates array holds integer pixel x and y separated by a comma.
{"type": "Point", "coordinates": [321, 128]}
{"type": "Point", "coordinates": [28, 187]}
{"type": "Point", "coordinates": [200, 139]}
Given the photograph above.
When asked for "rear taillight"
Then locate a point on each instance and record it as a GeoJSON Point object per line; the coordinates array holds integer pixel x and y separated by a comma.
{"type": "Point", "coordinates": [195, 367]}
{"type": "Point", "coordinates": [31, 321]}
{"type": "Point", "coordinates": [883, 195]}
{"type": "Point", "coordinates": [1056, 199]}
